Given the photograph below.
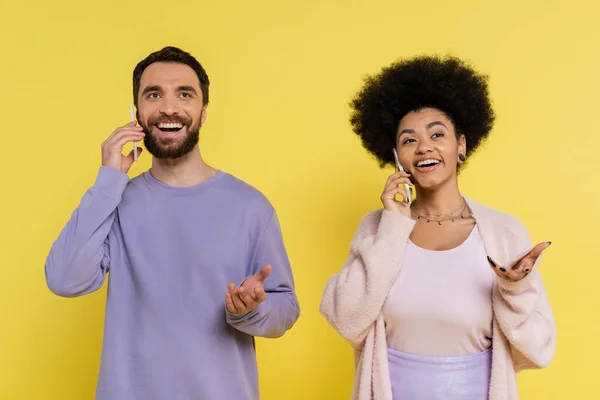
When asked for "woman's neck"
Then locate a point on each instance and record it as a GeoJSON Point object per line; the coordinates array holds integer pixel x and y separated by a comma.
{"type": "Point", "coordinates": [441, 201]}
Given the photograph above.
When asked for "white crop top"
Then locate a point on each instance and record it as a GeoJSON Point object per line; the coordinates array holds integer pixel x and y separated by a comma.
{"type": "Point", "coordinates": [441, 302]}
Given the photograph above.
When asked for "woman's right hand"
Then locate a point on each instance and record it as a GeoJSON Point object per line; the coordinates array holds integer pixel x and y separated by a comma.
{"type": "Point", "coordinates": [393, 187]}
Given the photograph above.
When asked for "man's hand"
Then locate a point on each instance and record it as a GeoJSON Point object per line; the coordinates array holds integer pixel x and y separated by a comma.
{"type": "Point", "coordinates": [245, 298]}
{"type": "Point", "coordinates": [112, 148]}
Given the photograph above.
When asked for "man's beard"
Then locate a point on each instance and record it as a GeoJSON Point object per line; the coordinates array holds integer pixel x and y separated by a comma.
{"type": "Point", "coordinates": [164, 149]}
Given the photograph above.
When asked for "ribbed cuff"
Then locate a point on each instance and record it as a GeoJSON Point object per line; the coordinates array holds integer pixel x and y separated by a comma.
{"type": "Point", "coordinates": [517, 287]}
{"type": "Point", "coordinates": [522, 285]}
{"type": "Point", "coordinates": [111, 181]}
{"type": "Point", "coordinates": [233, 318]}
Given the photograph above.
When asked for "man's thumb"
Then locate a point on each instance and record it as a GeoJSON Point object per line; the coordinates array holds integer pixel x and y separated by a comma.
{"type": "Point", "coordinates": [264, 273]}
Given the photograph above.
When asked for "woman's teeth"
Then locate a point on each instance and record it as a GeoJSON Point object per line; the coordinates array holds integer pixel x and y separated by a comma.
{"type": "Point", "coordinates": [427, 163]}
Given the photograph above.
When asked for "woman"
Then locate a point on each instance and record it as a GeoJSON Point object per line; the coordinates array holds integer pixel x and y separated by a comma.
{"type": "Point", "coordinates": [440, 297]}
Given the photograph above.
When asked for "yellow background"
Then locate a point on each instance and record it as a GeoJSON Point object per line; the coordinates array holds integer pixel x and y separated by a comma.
{"type": "Point", "coordinates": [282, 73]}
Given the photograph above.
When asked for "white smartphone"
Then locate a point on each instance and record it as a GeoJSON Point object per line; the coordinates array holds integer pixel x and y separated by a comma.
{"type": "Point", "coordinates": [402, 169]}
{"type": "Point", "coordinates": [132, 115]}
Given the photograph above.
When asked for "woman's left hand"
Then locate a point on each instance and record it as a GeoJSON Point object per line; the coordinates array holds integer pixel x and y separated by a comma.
{"type": "Point", "coordinates": [522, 267]}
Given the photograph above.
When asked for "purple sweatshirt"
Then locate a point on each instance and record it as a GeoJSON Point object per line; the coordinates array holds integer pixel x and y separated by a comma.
{"type": "Point", "coordinates": [171, 252]}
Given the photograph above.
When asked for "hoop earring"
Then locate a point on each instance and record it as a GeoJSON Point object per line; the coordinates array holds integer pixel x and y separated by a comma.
{"type": "Point", "coordinates": [461, 158]}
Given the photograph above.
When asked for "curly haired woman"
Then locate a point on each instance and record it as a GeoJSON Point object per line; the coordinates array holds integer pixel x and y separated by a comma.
{"type": "Point", "coordinates": [440, 297]}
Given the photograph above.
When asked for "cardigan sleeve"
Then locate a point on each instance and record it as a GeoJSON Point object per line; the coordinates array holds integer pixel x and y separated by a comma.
{"type": "Point", "coordinates": [524, 314]}
{"type": "Point", "coordinates": [353, 298]}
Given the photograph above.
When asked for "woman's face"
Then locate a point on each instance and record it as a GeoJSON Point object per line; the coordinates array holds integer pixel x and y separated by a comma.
{"type": "Point", "coordinates": [428, 147]}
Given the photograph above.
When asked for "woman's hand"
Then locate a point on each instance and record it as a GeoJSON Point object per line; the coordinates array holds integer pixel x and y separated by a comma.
{"type": "Point", "coordinates": [522, 267]}
{"type": "Point", "coordinates": [395, 186]}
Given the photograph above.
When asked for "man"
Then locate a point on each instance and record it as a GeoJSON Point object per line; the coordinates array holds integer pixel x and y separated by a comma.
{"type": "Point", "coordinates": [176, 239]}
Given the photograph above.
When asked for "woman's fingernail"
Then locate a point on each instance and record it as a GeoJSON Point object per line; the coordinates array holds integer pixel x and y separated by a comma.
{"type": "Point", "coordinates": [502, 269]}
{"type": "Point", "coordinates": [549, 243]}
{"type": "Point", "coordinates": [491, 262]}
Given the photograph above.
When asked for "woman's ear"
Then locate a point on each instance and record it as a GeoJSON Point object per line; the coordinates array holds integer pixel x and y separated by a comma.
{"type": "Point", "coordinates": [462, 148]}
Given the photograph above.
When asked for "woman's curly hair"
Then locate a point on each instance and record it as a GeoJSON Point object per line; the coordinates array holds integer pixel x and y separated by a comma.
{"type": "Point", "coordinates": [444, 83]}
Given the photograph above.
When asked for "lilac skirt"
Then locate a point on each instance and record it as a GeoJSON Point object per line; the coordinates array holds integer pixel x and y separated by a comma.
{"type": "Point", "coordinates": [416, 377]}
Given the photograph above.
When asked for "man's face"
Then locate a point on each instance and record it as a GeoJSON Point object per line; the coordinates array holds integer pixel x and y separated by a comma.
{"type": "Point", "coordinates": [170, 109]}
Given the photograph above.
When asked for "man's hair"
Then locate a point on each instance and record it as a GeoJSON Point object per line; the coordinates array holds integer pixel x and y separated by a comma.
{"type": "Point", "coordinates": [173, 55]}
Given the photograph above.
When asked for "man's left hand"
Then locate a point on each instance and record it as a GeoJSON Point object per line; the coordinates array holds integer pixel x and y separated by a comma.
{"type": "Point", "coordinates": [246, 297]}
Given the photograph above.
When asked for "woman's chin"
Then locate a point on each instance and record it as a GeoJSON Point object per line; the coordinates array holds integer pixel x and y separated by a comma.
{"type": "Point", "coordinates": [429, 185]}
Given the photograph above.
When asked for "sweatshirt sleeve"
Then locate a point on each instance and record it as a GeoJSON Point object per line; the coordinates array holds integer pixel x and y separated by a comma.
{"type": "Point", "coordinates": [280, 310]}
{"type": "Point", "coordinates": [79, 257]}
{"type": "Point", "coordinates": [353, 298]}
{"type": "Point", "coordinates": [525, 316]}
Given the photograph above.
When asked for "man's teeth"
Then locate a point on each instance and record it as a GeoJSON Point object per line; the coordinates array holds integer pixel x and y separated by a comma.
{"type": "Point", "coordinates": [170, 126]}
{"type": "Point", "coordinates": [426, 163]}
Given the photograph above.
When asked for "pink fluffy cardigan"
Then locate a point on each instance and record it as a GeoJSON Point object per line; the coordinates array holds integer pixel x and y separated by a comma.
{"type": "Point", "coordinates": [524, 332]}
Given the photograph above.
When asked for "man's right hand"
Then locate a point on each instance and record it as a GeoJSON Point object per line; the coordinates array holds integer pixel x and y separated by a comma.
{"type": "Point", "coordinates": [112, 148]}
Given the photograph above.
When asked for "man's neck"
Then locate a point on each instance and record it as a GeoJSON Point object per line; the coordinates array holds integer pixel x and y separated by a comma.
{"type": "Point", "coordinates": [189, 170]}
